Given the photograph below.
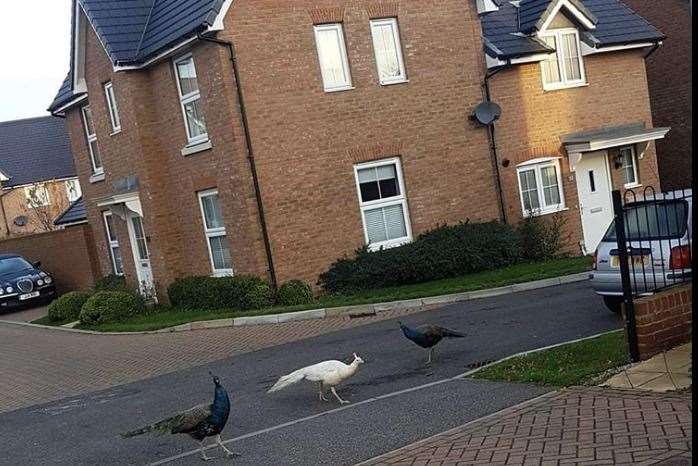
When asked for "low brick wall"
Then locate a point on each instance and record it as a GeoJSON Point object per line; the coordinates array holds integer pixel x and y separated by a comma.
{"type": "Point", "coordinates": [69, 255]}
{"type": "Point", "coordinates": [664, 319]}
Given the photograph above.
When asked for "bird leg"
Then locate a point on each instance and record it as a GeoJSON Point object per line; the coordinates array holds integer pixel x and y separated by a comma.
{"type": "Point", "coordinates": [431, 352]}
{"type": "Point", "coordinates": [322, 392]}
{"type": "Point", "coordinates": [228, 453]}
{"type": "Point", "coordinates": [204, 456]}
{"type": "Point", "coordinates": [341, 401]}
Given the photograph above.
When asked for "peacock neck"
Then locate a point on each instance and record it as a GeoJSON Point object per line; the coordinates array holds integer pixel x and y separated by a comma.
{"type": "Point", "coordinates": [221, 405]}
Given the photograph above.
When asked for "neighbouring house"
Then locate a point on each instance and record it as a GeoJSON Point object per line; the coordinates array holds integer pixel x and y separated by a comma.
{"type": "Point", "coordinates": [670, 77]}
{"type": "Point", "coordinates": [272, 138]}
{"type": "Point", "coordinates": [37, 175]}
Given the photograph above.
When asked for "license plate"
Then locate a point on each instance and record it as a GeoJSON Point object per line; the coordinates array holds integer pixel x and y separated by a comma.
{"type": "Point", "coordinates": [31, 295]}
{"type": "Point", "coordinates": [634, 262]}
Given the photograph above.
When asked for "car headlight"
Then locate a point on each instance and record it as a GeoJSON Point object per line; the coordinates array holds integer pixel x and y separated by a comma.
{"type": "Point", "coordinates": [9, 289]}
{"type": "Point", "coordinates": [2, 292]}
{"type": "Point", "coordinates": [40, 282]}
{"type": "Point", "coordinates": [48, 279]}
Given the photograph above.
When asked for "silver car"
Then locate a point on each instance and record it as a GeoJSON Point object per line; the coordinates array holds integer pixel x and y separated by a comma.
{"type": "Point", "coordinates": [659, 235]}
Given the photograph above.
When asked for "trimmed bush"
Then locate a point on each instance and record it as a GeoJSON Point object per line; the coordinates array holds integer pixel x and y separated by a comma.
{"type": "Point", "coordinates": [447, 251]}
{"type": "Point", "coordinates": [111, 283]}
{"type": "Point", "coordinates": [67, 307]}
{"type": "Point", "coordinates": [542, 237]}
{"type": "Point", "coordinates": [293, 293]}
{"type": "Point", "coordinates": [241, 292]}
{"type": "Point", "coordinates": [111, 306]}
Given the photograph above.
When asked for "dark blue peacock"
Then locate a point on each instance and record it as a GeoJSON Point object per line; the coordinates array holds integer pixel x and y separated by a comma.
{"type": "Point", "coordinates": [199, 422]}
{"type": "Point", "coordinates": [428, 336]}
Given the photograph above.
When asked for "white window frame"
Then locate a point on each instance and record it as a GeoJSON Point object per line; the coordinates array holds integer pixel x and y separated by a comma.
{"type": "Point", "coordinates": [537, 167]}
{"type": "Point", "coordinates": [78, 189]}
{"type": "Point", "coordinates": [392, 22]}
{"type": "Point", "coordinates": [633, 155]}
{"type": "Point", "coordinates": [96, 170]}
{"type": "Point", "coordinates": [112, 243]}
{"type": "Point", "coordinates": [113, 109]}
{"type": "Point", "coordinates": [37, 187]}
{"type": "Point", "coordinates": [339, 29]}
{"type": "Point", "coordinates": [213, 233]}
{"type": "Point", "coordinates": [370, 205]}
{"type": "Point", "coordinates": [186, 99]}
{"type": "Point", "coordinates": [564, 83]}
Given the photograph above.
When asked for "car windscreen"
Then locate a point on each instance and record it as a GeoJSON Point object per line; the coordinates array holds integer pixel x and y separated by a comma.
{"type": "Point", "coordinates": [13, 264]}
{"type": "Point", "coordinates": [653, 221]}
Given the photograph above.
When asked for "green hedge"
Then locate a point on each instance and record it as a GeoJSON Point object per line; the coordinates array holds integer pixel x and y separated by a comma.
{"type": "Point", "coordinates": [111, 306]}
{"type": "Point", "coordinates": [67, 307]}
{"type": "Point", "coordinates": [293, 293]}
{"type": "Point", "coordinates": [212, 293]}
{"type": "Point", "coordinates": [111, 283]}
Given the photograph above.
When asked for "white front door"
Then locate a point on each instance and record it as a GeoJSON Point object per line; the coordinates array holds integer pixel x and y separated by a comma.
{"type": "Point", "coordinates": [141, 256]}
{"type": "Point", "coordinates": [595, 203]}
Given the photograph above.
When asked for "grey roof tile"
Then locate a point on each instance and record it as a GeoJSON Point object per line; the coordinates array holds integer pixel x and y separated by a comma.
{"type": "Point", "coordinates": [74, 213]}
{"type": "Point", "coordinates": [34, 150]}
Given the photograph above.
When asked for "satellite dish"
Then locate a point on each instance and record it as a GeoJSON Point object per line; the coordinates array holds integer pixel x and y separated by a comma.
{"type": "Point", "coordinates": [487, 113]}
{"type": "Point", "coordinates": [21, 221]}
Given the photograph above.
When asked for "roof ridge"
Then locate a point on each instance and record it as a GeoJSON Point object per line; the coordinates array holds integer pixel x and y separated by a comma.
{"type": "Point", "coordinates": [25, 120]}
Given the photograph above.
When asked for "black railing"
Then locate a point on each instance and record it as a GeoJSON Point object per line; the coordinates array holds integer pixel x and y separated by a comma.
{"type": "Point", "coordinates": [654, 246]}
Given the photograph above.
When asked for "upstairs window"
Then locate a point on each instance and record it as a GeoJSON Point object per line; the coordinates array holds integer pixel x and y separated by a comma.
{"type": "Point", "coordinates": [37, 196]}
{"type": "Point", "coordinates": [113, 243]}
{"type": "Point", "coordinates": [72, 188]}
{"type": "Point", "coordinates": [332, 53]}
{"type": "Point", "coordinates": [383, 203]}
{"type": "Point", "coordinates": [88, 124]}
{"type": "Point", "coordinates": [564, 67]}
{"type": "Point", "coordinates": [111, 105]}
{"type": "Point", "coordinates": [540, 187]}
{"type": "Point", "coordinates": [190, 100]}
{"type": "Point", "coordinates": [386, 45]}
{"type": "Point", "coordinates": [216, 237]}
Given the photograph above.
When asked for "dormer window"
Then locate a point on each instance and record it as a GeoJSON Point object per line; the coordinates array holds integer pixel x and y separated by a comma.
{"type": "Point", "coordinates": [563, 68]}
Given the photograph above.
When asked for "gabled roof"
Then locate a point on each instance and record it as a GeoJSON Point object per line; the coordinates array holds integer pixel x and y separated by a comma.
{"type": "Point", "coordinates": [35, 150]}
{"type": "Point", "coordinates": [133, 32]}
{"type": "Point", "coordinates": [615, 24]}
{"type": "Point", "coordinates": [75, 213]}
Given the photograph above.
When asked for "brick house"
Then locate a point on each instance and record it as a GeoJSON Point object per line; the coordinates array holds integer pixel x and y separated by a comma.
{"type": "Point", "coordinates": [670, 78]}
{"type": "Point", "coordinates": [324, 129]}
{"type": "Point", "coordinates": [37, 175]}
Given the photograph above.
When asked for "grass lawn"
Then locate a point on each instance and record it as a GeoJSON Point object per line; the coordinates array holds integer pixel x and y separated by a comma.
{"type": "Point", "coordinates": [168, 317]}
{"type": "Point", "coordinates": [573, 364]}
{"type": "Point", "coordinates": [46, 321]}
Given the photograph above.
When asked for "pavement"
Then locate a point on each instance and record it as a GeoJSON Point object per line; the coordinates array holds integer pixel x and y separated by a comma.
{"type": "Point", "coordinates": [25, 315]}
{"type": "Point", "coordinates": [667, 371]}
{"type": "Point", "coordinates": [582, 425]}
{"type": "Point", "coordinates": [396, 400]}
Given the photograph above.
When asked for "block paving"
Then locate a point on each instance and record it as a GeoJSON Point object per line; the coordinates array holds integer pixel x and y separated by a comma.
{"type": "Point", "coordinates": [581, 425]}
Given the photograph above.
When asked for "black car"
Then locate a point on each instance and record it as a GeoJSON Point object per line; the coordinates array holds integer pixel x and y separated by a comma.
{"type": "Point", "coordinates": [23, 283]}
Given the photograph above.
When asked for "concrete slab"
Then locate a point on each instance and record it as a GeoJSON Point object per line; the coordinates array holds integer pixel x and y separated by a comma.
{"type": "Point", "coordinates": [255, 320]}
{"type": "Point", "coordinates": [302, 315]}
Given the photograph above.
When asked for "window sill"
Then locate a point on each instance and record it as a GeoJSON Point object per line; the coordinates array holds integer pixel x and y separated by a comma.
{"type": "Point", "coordinates": [392, 83]}
{"type": "Point", "coordinates": [340, 89]}
{"type": "Point", "coordinates": [389, 244]}
{"type": "Point", "coordinates": [97, 177]}
{"type": "Point", "coordinates": [222, 273]}
{"type": "Point", "coordinates": [196, 148]}
{"type": "Point", "coordinates": [564, 86]}
{"type": "Point", "coordinates": [632, 185]}
{"type": "Point", "coordinates": [542, 213]}
{"type": "Point", "coordinates": [115, 132]}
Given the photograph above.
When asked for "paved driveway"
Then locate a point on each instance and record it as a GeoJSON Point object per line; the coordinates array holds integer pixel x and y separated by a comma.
{"type": "Point", "coordinates": [25, 315]}
{"type": "Point", "coordinates": [395, 399]}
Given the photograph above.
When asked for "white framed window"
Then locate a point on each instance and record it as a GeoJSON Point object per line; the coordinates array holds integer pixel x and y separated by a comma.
{"type": "Point", "coordinates": [388, 51]}
{"type": "Point", "coordinates": [190, 100]}
{"type": "Point", "coordinates": [113, 109]}
{"type": "Point", "coordinates": [628, 166]}
{"type": "Point", "coordinates": [73, 190]}
{"type": "Point", "coordinates": [540, 187]}
{"type": "Point", "coordinates": [565, 67]}
{"type": "Point", "coordinates": [88, 124]}
{"type": "Point", "coordinates": [383, 203]}
{"type": "Point", "coordinates": [216, 237]}
{"type": "Point", "coordinates": [37, 196]}
{"type": "Point", "coordinates": [113, 243]}
{"type": "Point", "coordinates": [332, 54]}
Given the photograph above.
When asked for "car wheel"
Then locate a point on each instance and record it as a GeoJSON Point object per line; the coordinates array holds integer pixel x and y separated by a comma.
{"type": "Point", "coordinates": [613, 303]}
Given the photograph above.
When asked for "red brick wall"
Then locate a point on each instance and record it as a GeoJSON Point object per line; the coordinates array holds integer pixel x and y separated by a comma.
{"type": "Point", "coordinates": [69, 255]}
{"type": "Point", "coordinates": [664, 320]}
{"type": "Point", "coordinates": [669, 72]}
{"type": "Point", "coordinates": [534, 120]}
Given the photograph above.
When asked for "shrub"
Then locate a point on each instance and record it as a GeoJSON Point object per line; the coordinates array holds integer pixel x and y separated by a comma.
{"type": "Point", "coordinates": [293, 293]}
{"type": "Point", "coordinates": [447, 251]}
{"type": "Point", "coordinates": [211, 293]}
{"type": "Point", "coordinates": [542, 238]}
{"type": "Point", "coordinates": [111, 283]}
{"type": "Point", "coordinates": [67, 307]}
{"type": "Point", "coordinates": [111, 306]}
